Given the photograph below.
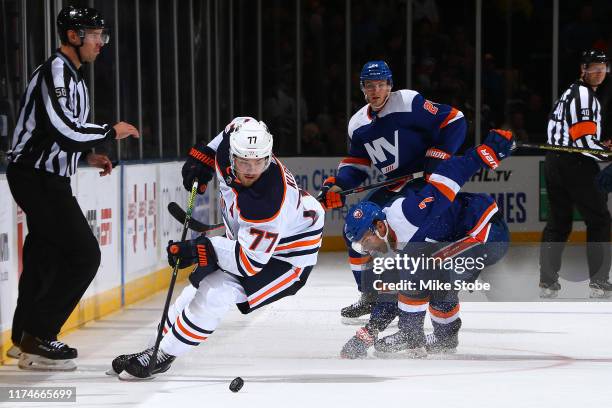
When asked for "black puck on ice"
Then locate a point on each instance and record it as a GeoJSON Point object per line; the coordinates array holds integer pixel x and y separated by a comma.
{"type": "Point", "coordinates": [236, 384]}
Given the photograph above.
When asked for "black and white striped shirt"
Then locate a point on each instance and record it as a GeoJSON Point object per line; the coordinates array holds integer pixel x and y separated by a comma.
{"type": "Point", "coordinates": [576, 119]}
{"type": "Point", "coordinates": [52, 129]}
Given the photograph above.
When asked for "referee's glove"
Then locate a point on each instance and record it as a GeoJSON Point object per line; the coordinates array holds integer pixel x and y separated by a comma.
{"type": "Point", "coordinates": [603, 179]}
{"type": "Point", "coordinates": [200, 164]}
{"type": "Point", "coordinates": [496, 147]}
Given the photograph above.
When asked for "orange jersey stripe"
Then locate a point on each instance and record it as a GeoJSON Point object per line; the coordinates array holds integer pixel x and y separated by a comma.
{"type": "Point", "coordinates": [582, 129]}
{"type": "Point", "coordinates": [356, 160]}
{"type": "Point", "coordinates": [187, 332]}
{"type": "Point", "coordinates": [450, 117]}
{"type": "Point", "coordinates": [298, 244]}
{"type": "Point", "coordinates": [447, 191]}
{"type": "Point", "coordinates": [444, 315]}
{"type": "Point", "coordinates": [294, 275]}
{"type": "Point", "coordinates": [410, 301]}
{"type": "Point", "coordinates": [492, 208]}
{"type": "Point", "coordinates": [246, 263]}
{"type": "Point", "coordinates": [360, 261]}
{"type": "Point", "coordinates": [456, 248]}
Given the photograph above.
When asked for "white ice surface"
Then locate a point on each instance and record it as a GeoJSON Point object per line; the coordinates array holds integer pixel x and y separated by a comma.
{"type": "Point", "coordinates": [511, 355]}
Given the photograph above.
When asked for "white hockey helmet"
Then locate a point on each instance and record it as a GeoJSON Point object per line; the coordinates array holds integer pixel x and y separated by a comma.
{"type": "Point", "coordinates": [250, 139]}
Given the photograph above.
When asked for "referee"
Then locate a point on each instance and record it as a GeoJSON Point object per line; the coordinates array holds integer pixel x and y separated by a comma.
{"type": "Point", "coordinates": [570, 180]}
{"type": "Point", "coordinates": [61, 255]}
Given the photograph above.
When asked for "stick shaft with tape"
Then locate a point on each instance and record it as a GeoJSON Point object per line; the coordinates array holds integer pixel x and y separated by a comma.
{"type": "Point", "coordinates": [567, 149]}
{"type": "Point", "coordinates": [160, 329]}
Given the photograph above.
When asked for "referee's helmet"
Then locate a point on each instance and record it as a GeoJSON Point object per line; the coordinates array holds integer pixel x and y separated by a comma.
{"type": "Point", "coordinates": [79, 19]}
{"type": "Point", "coordinates": [594, 57]}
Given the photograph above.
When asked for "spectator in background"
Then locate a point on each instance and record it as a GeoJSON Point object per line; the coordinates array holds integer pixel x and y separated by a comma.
{"type": "Point", "coordinates": [313, 143]}
{"type": "Point", "coordinates": [426, 80]}
{"type": "Point", "coordinates": [536, 117]}
{"type": "Point", "coordinates": [516, 123]}
{"type": "Point", "coordinates": [425, 9]}
{"type": "Point", "coordinates": [493, 87]}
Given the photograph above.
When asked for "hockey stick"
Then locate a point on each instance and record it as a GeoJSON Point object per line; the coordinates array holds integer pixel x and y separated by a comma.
{"type": "Point", "coordinates": [567, 149]}
{"type": "Point", "coordinates": [160, 329]}
{"type": "Point", "coordinates": [179, 214]}
{"type": "Point", "coordinates": [406, 178]}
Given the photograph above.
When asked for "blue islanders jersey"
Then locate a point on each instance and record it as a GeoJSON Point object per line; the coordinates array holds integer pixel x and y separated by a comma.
{"type": "Point", "coordinates": [438, 212]}
{"type": "Point", "coordinates": [399, 139]}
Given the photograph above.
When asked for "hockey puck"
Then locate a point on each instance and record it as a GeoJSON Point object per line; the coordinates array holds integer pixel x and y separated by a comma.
{"type": "Point", "coordinates": [236, 384]}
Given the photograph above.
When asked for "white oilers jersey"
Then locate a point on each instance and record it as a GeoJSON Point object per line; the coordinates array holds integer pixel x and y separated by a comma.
{"type": "Point", "coordinates": [271, 219]}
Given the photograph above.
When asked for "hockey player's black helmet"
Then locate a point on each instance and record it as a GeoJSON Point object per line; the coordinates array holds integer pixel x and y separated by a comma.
{"type": "Point", "coordinates": [593, 56]}
{"type": "Point", "coordinates": [79, 19]}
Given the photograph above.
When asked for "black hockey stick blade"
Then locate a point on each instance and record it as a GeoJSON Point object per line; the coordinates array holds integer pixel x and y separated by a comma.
{"type": "Point", "coordinates": [179, 214]}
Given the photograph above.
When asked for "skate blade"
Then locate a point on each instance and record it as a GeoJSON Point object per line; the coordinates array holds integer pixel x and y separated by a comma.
{"type": "Point", "coordinates": [38, 363]}
{"type": "Point", "coordinates": [549, 294]}
{"type": "Point", "coordinates": [442, 352]}
{"type": "Point", "coordinates": [111, 372]}
{"type": "Point", "coordinates": [599, 294]}
{"type": "Point", "coordinates": [125, 376]}
{"type": "Point", "coordinates": [13, 352]}
{"type": "Point", "coordinates": [410, 354]}
{"type": "Point", "coordinates": [356, 321]}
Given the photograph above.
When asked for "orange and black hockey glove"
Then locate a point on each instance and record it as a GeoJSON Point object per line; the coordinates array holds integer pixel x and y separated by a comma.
{"type": "Point", "coordinates": [198, 251]}
{"type": "Point", "coordinates": [330, 199]}
{"type": "Point", "coordinates": [496, 147]}
{"type": "Point", "coordinates": [200, 164]}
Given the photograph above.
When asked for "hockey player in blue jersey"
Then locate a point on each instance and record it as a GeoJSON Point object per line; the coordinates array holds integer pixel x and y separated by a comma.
{"type": "Point", "coordinates": [462, 225]}
{"type": "Point", "coordinates": [399, 133]}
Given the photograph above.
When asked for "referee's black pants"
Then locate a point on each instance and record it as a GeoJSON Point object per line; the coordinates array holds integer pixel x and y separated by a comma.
{"type": "Point", "coordinates": [60, 255]}
{"type": "Point", "coordinates": [570, 181]}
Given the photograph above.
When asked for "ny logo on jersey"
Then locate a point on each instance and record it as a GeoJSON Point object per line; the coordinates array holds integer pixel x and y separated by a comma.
{"type": "Point", "coordinates": [376, 151]}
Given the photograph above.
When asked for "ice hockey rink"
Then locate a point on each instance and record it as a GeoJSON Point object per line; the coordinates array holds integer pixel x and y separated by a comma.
{"type": "Point", "coordinates": [512, 354]}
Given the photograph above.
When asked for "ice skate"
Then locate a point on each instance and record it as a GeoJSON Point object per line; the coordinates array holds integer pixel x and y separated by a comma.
{"type": "Point", "coordinates": [357, 346]}
{"type": "Point", "coordinates": [119, 363]}
{"type": "Point", "coordinates": [137, 367]}
{"type": "Point", "coordinates": [600, 289]}
{"type": "Point", "coordinates": [46, 355]}
{"type": "Point", "coordinates": [549, 290]}
{"type": "Point", "coordinates": [351, 314]}
{"type": "Point", "coordinates": [445, 345]}
{"type": "Point", "coordinates": [403, 344]}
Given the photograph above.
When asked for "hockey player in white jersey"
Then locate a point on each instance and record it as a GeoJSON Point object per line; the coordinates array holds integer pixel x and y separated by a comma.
{"type": "Point", "coordinates": [273, 235]}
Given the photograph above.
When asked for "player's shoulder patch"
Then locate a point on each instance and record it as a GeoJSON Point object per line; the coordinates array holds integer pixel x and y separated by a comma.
{"type": "Point", "coordinates": [359, 119]}
{"type": "Point", "coordinates": [263, 200]}
{"type": "Point", "coordinates": [430, 107]}
{"type": "Point", "coordinates": [400, 101]}
{"type": "Point", "coordinates": [408, 97]}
